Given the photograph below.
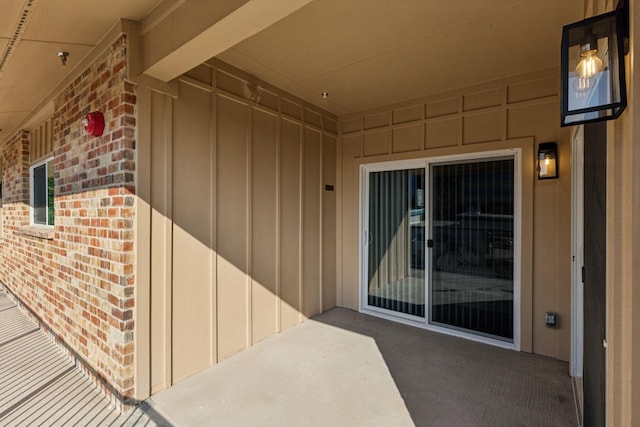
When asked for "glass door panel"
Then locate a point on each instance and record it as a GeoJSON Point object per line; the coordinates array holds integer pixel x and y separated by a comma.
{"type": "Point", "coordinates": [472, 283]}
{"type": "Point", "coordinates": [396, 245]}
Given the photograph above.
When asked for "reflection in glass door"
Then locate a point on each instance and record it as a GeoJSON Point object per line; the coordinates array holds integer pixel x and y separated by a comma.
{"type": "Point", "coordinates": [395, 241]}
{"type": "Point", "coordinates": [472, 258]}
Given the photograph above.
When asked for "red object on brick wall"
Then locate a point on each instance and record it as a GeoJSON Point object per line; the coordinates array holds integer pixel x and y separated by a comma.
{"type": "Point", "coordinates": [94, 123]}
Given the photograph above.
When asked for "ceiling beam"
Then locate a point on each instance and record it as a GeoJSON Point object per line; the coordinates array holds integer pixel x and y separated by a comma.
{"type": "Point", "coordinates": [196, 31]}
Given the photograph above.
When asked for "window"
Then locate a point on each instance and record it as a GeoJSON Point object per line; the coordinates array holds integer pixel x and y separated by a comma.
{"type": "Point", "coordinates": [42, 184]}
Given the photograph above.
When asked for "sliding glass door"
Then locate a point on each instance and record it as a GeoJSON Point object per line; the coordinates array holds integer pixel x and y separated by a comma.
{"type": "Point", "coordinates": [472, 207]}
{"type": "Point", "coordinates": [438, 244]}
{"type": "Point", "coordinates": [395, 241]}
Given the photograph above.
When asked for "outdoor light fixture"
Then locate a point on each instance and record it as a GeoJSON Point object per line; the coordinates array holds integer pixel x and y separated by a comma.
{"type": "Point", "coordinates": [547, 160]}
{"type": "Point", "coordinates": [593, 72]}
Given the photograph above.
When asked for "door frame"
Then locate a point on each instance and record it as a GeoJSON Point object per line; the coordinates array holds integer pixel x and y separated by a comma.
{"type": "Point", "coordinates": [577, 249]}
{"type": "Point", "coordinates": [426, 162]}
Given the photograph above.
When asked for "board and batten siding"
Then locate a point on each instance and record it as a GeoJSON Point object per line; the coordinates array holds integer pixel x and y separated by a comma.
{"type": "Point", "coordinates": [238, 227]}
{"type": "Point", "coordinates": [518, 112]}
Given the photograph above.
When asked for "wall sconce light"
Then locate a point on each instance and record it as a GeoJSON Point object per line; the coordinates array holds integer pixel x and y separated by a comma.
{"type": "Point", "coordinates": [547, 160]}
{"type": "Point", "coordinates": [593, 72]}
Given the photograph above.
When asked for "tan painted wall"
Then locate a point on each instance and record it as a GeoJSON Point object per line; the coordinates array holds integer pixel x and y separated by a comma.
{"type": "Point", "coordinates": [240, 229]}
{"type": "Point", "coordinates": [623, 240]}
{"type": "Point", "coordinates": [623, 244]}
{"type": "Point", "coordinates": [517, 112]}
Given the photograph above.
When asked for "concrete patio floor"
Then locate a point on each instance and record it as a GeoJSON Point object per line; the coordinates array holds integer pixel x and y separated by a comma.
{"type": "Point", "coordinates": [341, 368]}
{"type": "Point", "coordinates": [344, 368]}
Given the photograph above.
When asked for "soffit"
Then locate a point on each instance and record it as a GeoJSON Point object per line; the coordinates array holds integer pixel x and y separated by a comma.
{"type": "Point", "coordinates": [23, 97]}
{"type": "Point", "coordinates": [10, 10]}
{"type": "Point", "coordinates": [368, 54]}
{"type": "Point", "coordinates": [365, 53]}
{"type": "Point", "coordinates": [34, 70]}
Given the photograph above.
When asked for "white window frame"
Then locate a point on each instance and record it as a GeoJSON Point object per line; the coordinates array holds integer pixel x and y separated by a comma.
{"type": "Point", "coordinates": [38, 164]}
{"type": "Point", "coordinates": [424, 323]}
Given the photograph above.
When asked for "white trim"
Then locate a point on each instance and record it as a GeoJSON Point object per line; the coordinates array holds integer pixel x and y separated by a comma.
{"type": "Point", "coordinates": [577, 250]}
{"type": "Point", "coordinates": [31, 191]}
{"type": "Point", "coordinates": [395, 165]}
{"type": "Point", "coordinates": [362, 232]}
{"type": "Point", "coordinates": [517, 247]}
{"type": "Point", "coordinates": [423, 322]}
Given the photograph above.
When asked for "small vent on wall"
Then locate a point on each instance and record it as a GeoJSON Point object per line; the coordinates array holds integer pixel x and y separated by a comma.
{"type": "Point", "coordinates": [15, 38]}
{"type": "Point", "coordinates": [41, 141]}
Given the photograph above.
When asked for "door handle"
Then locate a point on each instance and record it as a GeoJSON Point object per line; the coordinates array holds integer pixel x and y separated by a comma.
{"type": "Point", "coordinates": [367, 237]}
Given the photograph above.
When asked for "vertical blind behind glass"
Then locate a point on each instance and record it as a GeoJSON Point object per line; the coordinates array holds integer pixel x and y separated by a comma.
{"type": "Point", "coordinates": [396, 241]}
{"type": "Point", "coordinates": [472, 254]}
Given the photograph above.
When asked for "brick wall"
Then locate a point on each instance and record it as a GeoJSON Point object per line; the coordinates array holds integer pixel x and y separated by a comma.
{"type": "Point", "coordinates": [78, 278]}
{"type": "Point", "coordinates": [15, 202]}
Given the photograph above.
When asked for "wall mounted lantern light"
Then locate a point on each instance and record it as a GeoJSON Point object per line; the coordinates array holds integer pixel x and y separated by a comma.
{"type": "Point", "coordinates": [593, 72]}
{"type": "Point", "coordinates": [547, 160]}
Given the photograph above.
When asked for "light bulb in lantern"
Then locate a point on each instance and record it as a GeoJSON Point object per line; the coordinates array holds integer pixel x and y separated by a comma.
{"type": "Point", "coordinates": [589, 66]}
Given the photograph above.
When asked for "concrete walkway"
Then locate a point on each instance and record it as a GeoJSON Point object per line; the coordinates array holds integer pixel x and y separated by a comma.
{"type": "Point", "coordinates": [341, 368]}
{"type": "Point", "coordinates": [41, 386]}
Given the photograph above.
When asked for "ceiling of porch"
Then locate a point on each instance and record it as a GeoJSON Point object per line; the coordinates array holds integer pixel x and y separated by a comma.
{"type": "Point", "coordinates": [367, 54]}
{"type": "Point", "coordinates": [363, 53]}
